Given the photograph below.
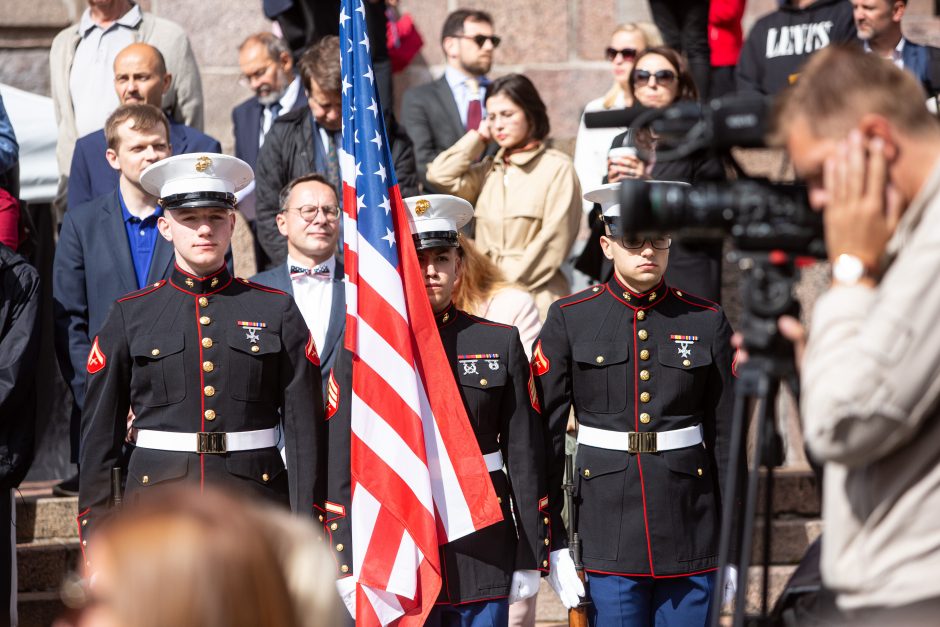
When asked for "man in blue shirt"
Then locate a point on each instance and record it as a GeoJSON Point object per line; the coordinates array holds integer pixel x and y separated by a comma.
{"type": "Point", "coordinates": [108, 247]}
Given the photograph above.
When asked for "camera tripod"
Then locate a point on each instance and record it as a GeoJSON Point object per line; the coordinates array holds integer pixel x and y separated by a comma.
{"type": "Point", "coordinates": [767, 291]}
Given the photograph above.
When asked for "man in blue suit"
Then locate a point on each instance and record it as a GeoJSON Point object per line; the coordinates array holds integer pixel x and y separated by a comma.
{"type": "Point", "coordinates": [140, 77]}
{"type": "Point", "coordinates": [108, 247]}
{"type": "Point", "coordinates": [879, 28]}
{"type": "Point", "coordinates": [267, 68]}
{"type": "Point", "coordinates": [309, 218]}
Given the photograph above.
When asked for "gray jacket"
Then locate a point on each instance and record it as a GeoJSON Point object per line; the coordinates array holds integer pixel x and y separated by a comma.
{"type": "Point", "coordinates": [183, 100]}
{"type": "Point", "coordinates": [871, 413]}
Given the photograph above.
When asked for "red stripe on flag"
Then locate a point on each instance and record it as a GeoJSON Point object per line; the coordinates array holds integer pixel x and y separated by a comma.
{"type": "Point", "coordinates": [385, 400]}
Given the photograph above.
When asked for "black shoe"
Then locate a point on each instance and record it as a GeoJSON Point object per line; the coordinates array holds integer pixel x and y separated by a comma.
{"type": "Point", "coordinates": [69, 487]}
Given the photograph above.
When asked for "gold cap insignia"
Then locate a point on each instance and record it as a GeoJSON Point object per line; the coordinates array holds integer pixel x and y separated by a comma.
{"type": "Point", "coordinates": [422, 206]}
{"type": "Point", "coordinates": [203, 163]}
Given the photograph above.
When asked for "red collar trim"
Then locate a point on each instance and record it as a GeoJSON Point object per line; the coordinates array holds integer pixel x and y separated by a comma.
{"type": "Point", "coordinates": [634, 300]}
{"type": "Point", "coordinates": [198, 286]}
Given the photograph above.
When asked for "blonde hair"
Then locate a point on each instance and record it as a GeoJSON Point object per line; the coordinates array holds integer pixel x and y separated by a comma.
{"type": "Point", "coordinates": [651, 37]}
{"type": "Point", "coordinates": [187, 558]}
{"type": "Point", "coordinates": [480, 278]}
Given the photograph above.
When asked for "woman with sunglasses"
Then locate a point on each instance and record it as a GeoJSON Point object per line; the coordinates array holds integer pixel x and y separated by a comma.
{"type": "Point", "coordinates": [527, 196]}
{"type": "Point", "coordinates": [660, 79]}
{"type": "Point", "coordinates": [591, 144]}
{"type": "Point", "coordinates": [647, 369]}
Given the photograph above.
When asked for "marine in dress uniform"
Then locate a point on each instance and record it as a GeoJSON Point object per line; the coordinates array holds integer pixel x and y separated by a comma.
{"type": "Point", "coordinates": [504, 562]}
{"type": "Point", "coordinates": [648, 371]}
{"type": "Point", "coordinates": [216, 369]}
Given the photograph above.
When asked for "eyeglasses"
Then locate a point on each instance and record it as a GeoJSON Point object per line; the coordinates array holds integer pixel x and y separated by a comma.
{"type": "Point", "coordinates": [245, 79]}
{"type": "Point", "coordinates": [628, 54]}
{"type": "Point", "coordinates": [479, 40]}
{"type": "Point", "coordinates": [663, 77]}
{"type": "Point", "coordinates": [659, 243]}
{"type": "Point", "coordinates": [309, 213]}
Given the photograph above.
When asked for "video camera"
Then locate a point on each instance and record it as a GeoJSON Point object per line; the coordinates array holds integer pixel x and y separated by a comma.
{"type": "Point", "coordinates": [758, 215]}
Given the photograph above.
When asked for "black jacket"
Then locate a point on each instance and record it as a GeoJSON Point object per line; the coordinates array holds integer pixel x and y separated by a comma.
{"type": "Point", "coordinates": [192, 355]}
{"type": "Point", "coordinates": [490, 367]}
{"type": "Point", "coordinates": [292, 149]}
{"type": "Point", "coordinates": [612, 355]}
{"type": "Point", "coordinates": [780, 42]}
{"type": "Point", "coordinates": [19, 353]}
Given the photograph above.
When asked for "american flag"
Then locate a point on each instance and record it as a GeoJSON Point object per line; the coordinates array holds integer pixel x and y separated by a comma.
{"type": "Point", "coordinates": [418, 477]}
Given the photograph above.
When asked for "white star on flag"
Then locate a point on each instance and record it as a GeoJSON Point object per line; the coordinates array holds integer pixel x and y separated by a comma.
{"type": "Point", "coordinates": [346, 85]}
{"type": "Point", "coordinates": [374, 108]}
{"type": "Point", "coordinates": [389, 237]}
{"type": "Point", "coordinates": [377, 140]}
{"type": "Point", "coordinates": [385, 205]}
{"type": "Point", "coordinates": [365, 42]}
{"type": "Point", "coordinates": [369, 75]}
{"type": "Point", "coordinates": [381, 172]}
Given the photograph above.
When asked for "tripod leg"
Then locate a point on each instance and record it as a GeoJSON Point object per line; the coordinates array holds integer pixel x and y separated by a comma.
{"type": "Point", "coordinates": [730, 495]}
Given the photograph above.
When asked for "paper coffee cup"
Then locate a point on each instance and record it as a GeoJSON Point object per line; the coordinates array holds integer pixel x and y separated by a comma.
{"type": "Point", "coordinates": [621, 151]}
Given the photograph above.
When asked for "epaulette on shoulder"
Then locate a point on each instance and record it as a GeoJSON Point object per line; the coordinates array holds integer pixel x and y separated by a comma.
{"type": "Point", "coordinates": [697, 301]}
{"type": "Point", "coordinates": [143, 291]}
{"type": "Point", "coordinates": [582, 296]}
{"type": "Point", "coordinates": [258, 286]}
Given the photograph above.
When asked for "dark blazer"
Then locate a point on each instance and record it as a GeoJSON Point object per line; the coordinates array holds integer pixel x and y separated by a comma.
{"type": "Point", "coordinates": [92, 269]}
{"type": "Point", "coordinates": [279, 278]}
{"type": "Point", "coordinates": [246, 121]}
{"type": "Point", "coordinates": [92, 176]}
{"type": "Point", "coordinates": [924, 63]}
{"type": "Point", "coordinates": [293, 148]}
{"type": "Point", "coordinates": [431, 119]}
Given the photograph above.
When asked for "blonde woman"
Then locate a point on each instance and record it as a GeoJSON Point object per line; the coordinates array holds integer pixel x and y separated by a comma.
{"type": "Point", "coordinates": [483, 291]}
{"type": "Point", "coordinates": [591, 145]}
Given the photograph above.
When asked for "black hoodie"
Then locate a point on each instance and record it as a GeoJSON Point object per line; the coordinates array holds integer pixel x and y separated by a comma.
{"type": "Point", "coordinates": [780, 42]}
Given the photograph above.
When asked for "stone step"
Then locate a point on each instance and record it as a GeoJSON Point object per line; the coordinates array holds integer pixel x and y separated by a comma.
{"type": "Point", "coordinates": [41, 517]}
{"type": "Point", "coordinates": [789, 539]}
{"type": "Point", "coordinates": [38, 609]}
{"type": "Point", "coordinates": [42, 564]}
{"type": "Point", "coordinates": [795, 492]}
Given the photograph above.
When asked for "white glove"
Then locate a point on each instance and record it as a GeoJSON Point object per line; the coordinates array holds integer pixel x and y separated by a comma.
{"type": "Point", "coordinates": [525, 584]}
{"type": "Point", "coordinates": [563, 578]}
{"type": "Point", "coordinates": [731, 584]}
{"type": "Point", "coordinates": [347, 592]}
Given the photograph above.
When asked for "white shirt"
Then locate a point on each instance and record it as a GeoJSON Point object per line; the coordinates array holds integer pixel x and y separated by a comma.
{"type": "Point", "coordinates": [591, 148]}
{"type": "Point", "coordinates": [457, 81]}
{"type": "Point", "coordinates": [314, 297]}
{"type": "Point", "coordinates": [91, 81]}
{"type": "Point", "coordinates": [897, 55]}
{"type": "Point", "coordinates": [286, 102]}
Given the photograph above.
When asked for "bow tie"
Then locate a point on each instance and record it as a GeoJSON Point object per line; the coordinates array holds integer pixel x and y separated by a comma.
{"type": "Point", "coordinates": [321, 271]}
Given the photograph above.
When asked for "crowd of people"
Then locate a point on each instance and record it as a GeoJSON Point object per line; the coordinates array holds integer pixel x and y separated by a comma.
{"type": "Point", "coordinates": [153, 325]}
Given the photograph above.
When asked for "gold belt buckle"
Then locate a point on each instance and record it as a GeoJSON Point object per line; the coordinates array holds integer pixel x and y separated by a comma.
{"type": "Point", "coordinates": [211, 442]}
{"type": "Point", "coordinates": [641, 442]}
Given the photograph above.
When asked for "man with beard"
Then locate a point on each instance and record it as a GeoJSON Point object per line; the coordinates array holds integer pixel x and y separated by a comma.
{"type": "Point", "coordinates": [268, 70]}
{"type": "Point", "coordinates": [438, 113]}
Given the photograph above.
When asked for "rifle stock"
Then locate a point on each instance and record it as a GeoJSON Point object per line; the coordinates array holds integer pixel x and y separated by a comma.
{"type": "Point", "coordinates": [577, 616]}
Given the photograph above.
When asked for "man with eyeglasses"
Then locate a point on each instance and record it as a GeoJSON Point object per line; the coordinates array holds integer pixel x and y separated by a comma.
{"type": "Point", "coordinates": [648, 371]}
{"type": "Point", "coordinates": [268, 70]}
{"type": "Point", "coordinates": [309, 220]}
{"type": "Point", "coordinates": [440, 112]}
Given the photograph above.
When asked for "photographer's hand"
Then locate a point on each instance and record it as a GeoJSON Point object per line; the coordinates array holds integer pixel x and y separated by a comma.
{"type": "Point", "coordinates": [790, 328]}
{"type": "Point", "coordinates": [863, 207]}
{"type": "Point", "coordinates": [626, 167]}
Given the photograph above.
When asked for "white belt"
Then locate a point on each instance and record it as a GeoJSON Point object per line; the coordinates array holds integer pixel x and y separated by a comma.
{"type": "Point", "coordinates": [640, 442]}
{"type": "Point", "coordinates": [493, 461]}
{"type": "Point", "coordinates": [207, 441]}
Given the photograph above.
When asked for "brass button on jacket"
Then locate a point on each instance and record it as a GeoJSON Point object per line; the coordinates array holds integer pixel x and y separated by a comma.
{"type": "Point", "coordinates": [208, 366]}
{"type": "Point", "coordinates": [642, 334]}
{"type": "Point", "coordinates": [645, 397]}
{"type": "Point", "coordinates": [204, 320]}
{"type": "Point", "coordinates": [203, 301]}
{"type": "Point", "coordinates": [645, 418]}
{"type": "Point", "coordinates": [207, 342]}
{"type": "Point", "coordinates": [209, 414]}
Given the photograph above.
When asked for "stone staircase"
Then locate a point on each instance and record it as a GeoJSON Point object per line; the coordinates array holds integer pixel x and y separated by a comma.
{"type": "Point", "coordinates": [46, 549]}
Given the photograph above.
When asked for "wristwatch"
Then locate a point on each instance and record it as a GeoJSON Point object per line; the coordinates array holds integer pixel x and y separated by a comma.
{"type": "Point", "coordinates": [848, 269]}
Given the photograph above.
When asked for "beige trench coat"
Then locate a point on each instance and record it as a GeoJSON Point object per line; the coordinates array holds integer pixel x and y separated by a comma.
{"type": "Point", "coordinates": [528, 210]}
